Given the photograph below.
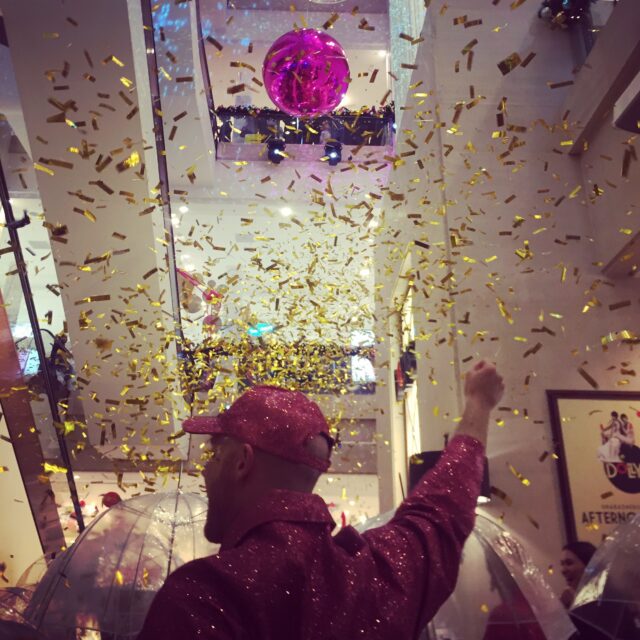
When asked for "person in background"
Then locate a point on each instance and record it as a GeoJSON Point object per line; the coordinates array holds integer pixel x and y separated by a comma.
{"type": "Point", "coordinates": [512, 618]}
{"type": "Point", "coordinates": [609, 451]}
{"type": "Point", "coordinates": [280, 573]}
{"type": "Point", "coordinates": [626, 435]}
{"type": "Point", "coordinates": [575, 557]}
{"type": "Point", "coordinates": [629, 451]}
{"type": "Point", "coordinates": [325, 132]}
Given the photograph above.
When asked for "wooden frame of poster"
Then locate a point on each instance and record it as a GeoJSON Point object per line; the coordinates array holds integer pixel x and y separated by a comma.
{"type": "Point", "coordinates": [599, 459]}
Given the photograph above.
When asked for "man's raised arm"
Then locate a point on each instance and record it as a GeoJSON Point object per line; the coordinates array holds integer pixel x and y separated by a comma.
{"type": "Point", "coordinates": [421, 547]}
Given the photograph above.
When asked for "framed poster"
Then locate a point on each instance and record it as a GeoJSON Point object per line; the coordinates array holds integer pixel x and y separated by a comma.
{"type": "Point", "coordinates": [597, 438]}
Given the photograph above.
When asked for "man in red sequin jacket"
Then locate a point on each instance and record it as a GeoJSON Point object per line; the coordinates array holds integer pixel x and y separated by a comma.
{"type": "Point", "coordinates": [280, 574]}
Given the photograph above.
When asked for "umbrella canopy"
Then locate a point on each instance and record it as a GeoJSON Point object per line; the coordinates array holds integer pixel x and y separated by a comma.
{"type": "Point", "coordinates": [500, 593]}
{"type": "Point", "coordinates": [10, 630]}
{"type": "Point", "coordinates": [14, 601]}
{"type": "Point", "coordinates": [105, 582]}
{"type": "Point", "coordinates": [607, 603]}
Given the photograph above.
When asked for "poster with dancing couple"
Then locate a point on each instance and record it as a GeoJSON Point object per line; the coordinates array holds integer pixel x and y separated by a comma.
{"type": "Point", "coordinates": [597, 443]}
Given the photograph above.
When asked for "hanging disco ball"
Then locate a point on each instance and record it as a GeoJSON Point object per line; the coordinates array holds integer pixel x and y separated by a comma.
{"type": "Point", "coordinates": [306, 73]}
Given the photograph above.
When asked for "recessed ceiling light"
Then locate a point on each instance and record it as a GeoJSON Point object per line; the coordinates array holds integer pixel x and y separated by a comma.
{"type": "Point", "coordinates": [373, 224]}
{"type": "Point", "coordinates": [364, 272]}
{"type": "Point", "coordinates": [183, 209]}
{"type": "Point", "coordinates": [382, 53]}
{"type": "Point", "coordinates": [286, 211]}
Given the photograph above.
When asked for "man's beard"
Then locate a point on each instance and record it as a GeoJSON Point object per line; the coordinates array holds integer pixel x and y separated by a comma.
{"type": "Point", "coordinates": [210, 530]}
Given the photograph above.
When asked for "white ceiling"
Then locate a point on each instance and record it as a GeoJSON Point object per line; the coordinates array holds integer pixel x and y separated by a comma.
{"type": "Point", "coordinates": [364, 7]}
{"type": "Point", "coordinates": [241, 27]}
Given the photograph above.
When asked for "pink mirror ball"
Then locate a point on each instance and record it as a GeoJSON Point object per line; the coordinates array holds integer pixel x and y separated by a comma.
{"type": "Point", "coordinates": [306, 73]}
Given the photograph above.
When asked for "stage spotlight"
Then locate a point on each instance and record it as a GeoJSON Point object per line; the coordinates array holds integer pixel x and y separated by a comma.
{"type": "Point", "coordinates": [275, 150]}
{"type": "Point", "coordinates": [333, 151]}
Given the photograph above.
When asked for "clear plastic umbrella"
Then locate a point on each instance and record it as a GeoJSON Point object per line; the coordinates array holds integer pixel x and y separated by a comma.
{"type": "Point", "coordinates": [607, 603]}
{"type": "Point", "coordinates": [15, 600]}
{"type": "Point", "coordinates": [103, 585]}
{"type": "Point", "coordinates": [500, 593]}
{"type": "Point", "coordinates": [13, 626]}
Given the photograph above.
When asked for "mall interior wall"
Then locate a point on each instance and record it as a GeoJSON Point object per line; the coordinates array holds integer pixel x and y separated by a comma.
{"type": "Point", "coordinates": [511, 272]}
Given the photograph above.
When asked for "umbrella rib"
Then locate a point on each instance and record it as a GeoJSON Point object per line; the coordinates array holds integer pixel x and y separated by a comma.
{"type": "Point", "coordinates": [122, 551]}
{"type": "Point", "coordinates": [133, 582]}
{"type": "Point", "coordinates": [173, 532]}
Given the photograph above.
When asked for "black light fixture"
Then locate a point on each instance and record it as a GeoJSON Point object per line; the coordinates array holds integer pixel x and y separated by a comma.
{"type": "Point", "coordinates": [333, 151]}
{"type": "Point", "coordinates": [275, 150]}
{"type": "Point", "coordinates": [420, 463]}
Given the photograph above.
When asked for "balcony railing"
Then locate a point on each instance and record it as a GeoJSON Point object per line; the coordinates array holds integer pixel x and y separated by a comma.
{"type": "Point", "coordinates": [309, 367]}
{"type": "Point", "coordinates": [367, 127]}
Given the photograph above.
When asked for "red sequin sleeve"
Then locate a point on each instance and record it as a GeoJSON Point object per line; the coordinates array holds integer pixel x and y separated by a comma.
{"type": "Point", "coordinates": [419, 550]}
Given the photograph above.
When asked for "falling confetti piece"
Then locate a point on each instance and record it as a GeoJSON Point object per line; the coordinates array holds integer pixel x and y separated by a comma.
{"type": "Point", "coordinates": [509, 63]}
{"type": "Point", "coordinates": [525, 481]}
{"type": "Point", "coordinates": [46, 170]}
{"type": "Point", "coordinates": [502, 495]}
{"type": "Point", "coordinates": [53, 468]}
{"type": "Point", "coordinates": [558, 85]}
{"type": "Point", "coordinates": [588, 378]}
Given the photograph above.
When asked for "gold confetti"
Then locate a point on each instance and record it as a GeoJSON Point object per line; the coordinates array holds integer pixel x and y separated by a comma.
{"type": "Point", "coordinates": [558, 85]}
{"type": "Point", "coordinates": [533, 350]}
{"type": "Point", "coordinates": [502, 495]}
{"type": "Point", "coordinates": [53, 468]}
{"type": "Point", "coordinates": [214, 42]}
{"type": "Point", "coordinates": [113, 59]}
{"type": "Point", "coordinates": [619, 305]}
{"type": "Point", "coordinates": [525, 481]}
{"type": "Point", "coordinates": [331, 21]}
{"type": "Point", "coordinates": [88, 215]}
{"type": "Point", "coordinates": [509, 63]}
{"type": "Point", "coordinates": [588, 378]}
{"type": "Point", "coordinates": [46, 170]}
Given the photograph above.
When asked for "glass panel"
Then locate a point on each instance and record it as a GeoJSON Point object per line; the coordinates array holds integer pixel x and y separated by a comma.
{"type": "Point", "coordinates": [27, 406]}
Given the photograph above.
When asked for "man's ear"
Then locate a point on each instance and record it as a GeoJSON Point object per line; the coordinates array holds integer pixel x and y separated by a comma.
{"type": "Point", "coordinates": [245, 461]}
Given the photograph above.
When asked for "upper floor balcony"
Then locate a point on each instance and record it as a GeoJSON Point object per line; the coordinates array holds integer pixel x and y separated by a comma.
{"type": "Point", "coordinates": [245, 132]}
